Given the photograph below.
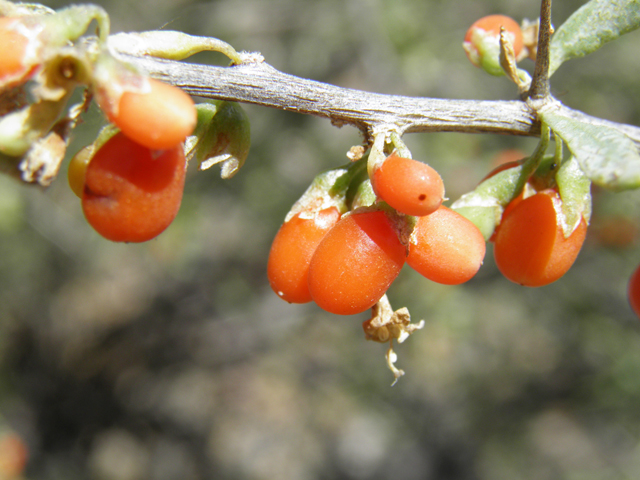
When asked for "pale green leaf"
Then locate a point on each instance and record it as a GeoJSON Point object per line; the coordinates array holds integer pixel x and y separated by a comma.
{"type": "Point", "coordinates": [575, 191]}
{"type": "Point", "coordinates": [607, 157]}
{"type": "Point", "coordinates": [591, 26]}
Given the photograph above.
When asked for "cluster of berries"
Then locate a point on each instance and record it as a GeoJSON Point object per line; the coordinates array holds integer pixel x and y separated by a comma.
{"type": "Point", "coordinates": [346, 240]}
{"type": "Point", "coordinates": [531, 242]}
{"type": "Point", "coordinates": [131, 178]}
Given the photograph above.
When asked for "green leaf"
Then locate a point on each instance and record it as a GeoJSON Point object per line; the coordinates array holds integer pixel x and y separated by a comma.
{"type": "Point", "coordinates": [484, 205]}
{"type": "Point", "coordinates": [170, 44]}
{"type": "Point", "coordinates": [575, 192]}
{"type": "Point", "coordinates": [608, 157]}
{"type": "Point", "coordinates": [222, 135]}
{"type": "Point", "coordinates": [591, 26]}
{"type": "Point", "coordinates": [485, 218]}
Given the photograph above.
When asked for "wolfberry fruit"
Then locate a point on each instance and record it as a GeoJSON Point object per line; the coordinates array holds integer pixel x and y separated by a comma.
{"type": "Point", "coordinates": [530, 247]}
{"type": "Point", "coordinates": [132, 193]}
{"type": "Point", "coordinates": [14, 62]}
{"type": "Point", "coordinates": [291, 251]}
{"type": "Point", "coordinates": [482, 40]}
{"type": "Point", "coordinates": [633, 291]}
{"type": "Point", "coordinates": [409, 186]}
{"type": "Point", "coordinates": [159, 117]}
{"type": "Point", "coordinates": [446, 247]}
{"type": "Point", "coordinates": [355, 263]}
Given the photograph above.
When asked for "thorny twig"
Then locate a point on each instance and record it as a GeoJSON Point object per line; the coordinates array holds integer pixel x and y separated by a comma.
{"type": "Point", "coordinates": [540, 82]}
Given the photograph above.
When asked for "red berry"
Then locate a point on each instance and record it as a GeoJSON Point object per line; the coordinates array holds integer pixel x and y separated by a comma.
{"type": "Point", "coordinates": [132, 193]}
{"type": "Point", "coordinates": [291, 251]}
{"type": "Point", "coordinates": [161, 117]}
{"type": "Point", "coordinates": [446, 247]}
{"type": "Point", "coordinates": [355, 263]}
{"type": "Point", "coordinates": [409, 186]}
{"type": "Point", "coordinates": [530, 247]}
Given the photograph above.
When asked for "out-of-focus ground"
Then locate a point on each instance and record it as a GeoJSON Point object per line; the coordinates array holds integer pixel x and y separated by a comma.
{"type": "Point", "coordinates": [174, 360]}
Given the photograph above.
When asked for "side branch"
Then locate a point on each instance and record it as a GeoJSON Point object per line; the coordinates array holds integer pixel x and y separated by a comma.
{"type": "Point", "coordinates": [261, 84]}
{"type": "Point", "coordinates": [540, 82]}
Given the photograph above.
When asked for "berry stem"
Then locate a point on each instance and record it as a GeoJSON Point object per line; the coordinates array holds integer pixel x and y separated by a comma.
{"type": "Point", "coordinates": [399, 145]}
{"type": "Point", "coordinates": [530, 166]}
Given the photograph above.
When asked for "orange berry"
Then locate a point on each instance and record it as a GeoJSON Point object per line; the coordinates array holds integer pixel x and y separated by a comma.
{"type": "Point", "coordinates": [132, 193]}
{"type": "Point", "coordinates": [14, 66]}
{"type": "Point", "coordinates": [409, 186]}
{"type": "Point", "coordinates": [446, 247]}
{"type": "Point", "coordinates": [530, 247]}
{"type": "Point", "coordinates": [355, 263]}
{"type": "Point", "coordinates": [490, 25]}
{"type": "Point", "coordinates": [160, 118]}
{"type": "Point", "coordinates": [291, 251]}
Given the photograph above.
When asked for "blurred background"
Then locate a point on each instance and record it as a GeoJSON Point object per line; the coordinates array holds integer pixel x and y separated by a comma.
{"type": "Point", "coordinates": [173, 359]}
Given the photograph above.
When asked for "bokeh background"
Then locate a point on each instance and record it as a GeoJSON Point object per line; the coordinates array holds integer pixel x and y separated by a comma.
{"type": "Point", "coordinates": [174, 360]}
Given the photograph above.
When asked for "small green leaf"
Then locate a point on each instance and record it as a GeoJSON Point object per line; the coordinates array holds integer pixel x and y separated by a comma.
{"type": "Point", "coordinates": [222, 135]}
{"type": "Point", "coordinates": [575, 191]}
{"type": "Point", "coordinates": [485, 218]}
{"type": "Point", "coordinates": [608, 157]}
{"type": "Point", "coordinates": [170, 44]}
{"type": "Point", "coordinates": [484, 205]}
{"type": "Point", "coordinates": [328, 189]}
{"type": "Point", "coordinates": [591, 26]}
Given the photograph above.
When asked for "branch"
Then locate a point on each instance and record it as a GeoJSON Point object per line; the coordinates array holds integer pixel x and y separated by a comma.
{"type": "Point", "coordinates": [540, 82]}
{"type": "Point", "coordinates": [261, 84]}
